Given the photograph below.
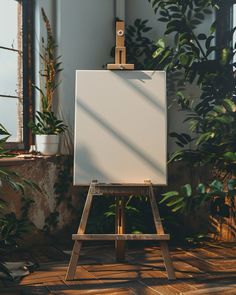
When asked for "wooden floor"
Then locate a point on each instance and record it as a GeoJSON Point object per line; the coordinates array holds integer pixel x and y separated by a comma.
{"type": "Point", "coordinates": [205, 270]}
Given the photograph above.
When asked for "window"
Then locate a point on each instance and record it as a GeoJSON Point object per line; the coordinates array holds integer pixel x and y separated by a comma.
{"type": "Point", "coordinates": [226, 20]}
{"type": "Point", "coordinates": [16, 70]}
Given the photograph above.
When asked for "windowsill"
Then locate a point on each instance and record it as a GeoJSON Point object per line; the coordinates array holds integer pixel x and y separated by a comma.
{"type": "Point", "coordinates": [22, 159]}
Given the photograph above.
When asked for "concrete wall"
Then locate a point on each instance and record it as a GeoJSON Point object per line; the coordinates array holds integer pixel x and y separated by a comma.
{"type": "Point", "coordinates": [84, 33]}
{"type": "Point", "coordinates": [46, 173]}
{"type": "Point", "coordinates": [84, 30]}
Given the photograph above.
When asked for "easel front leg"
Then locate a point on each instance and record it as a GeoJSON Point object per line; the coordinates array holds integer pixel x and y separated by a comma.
{"type": "Point", "coordinates": [120, 228]}
{"type": "Point", "coordinates": [167, 260]}
{"type": "Point", "coordinates": [70, 275]}
{"type": "Point", "coordinates": [159, 229]}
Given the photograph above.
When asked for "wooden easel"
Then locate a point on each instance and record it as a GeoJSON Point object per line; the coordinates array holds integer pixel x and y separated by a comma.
{"type": "Point", "coordinates": [120, 192]}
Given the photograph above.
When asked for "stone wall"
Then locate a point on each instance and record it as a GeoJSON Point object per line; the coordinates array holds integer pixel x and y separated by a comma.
{"type": "Point", "coordinates": [48, 174]}
{"type": "Point", "coordinates": [54, 176]}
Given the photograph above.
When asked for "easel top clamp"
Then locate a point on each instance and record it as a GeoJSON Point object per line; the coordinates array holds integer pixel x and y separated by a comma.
{"type": "Point", "coordinates": [120, 50]}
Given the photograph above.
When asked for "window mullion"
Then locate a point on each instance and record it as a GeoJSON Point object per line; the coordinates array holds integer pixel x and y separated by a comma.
{"type": "Point", "coordinates": [9, 96]}
{"type": "Point", "coordinates": [28, 68]}
{"type": "Point", "coordinates": [11, 49]}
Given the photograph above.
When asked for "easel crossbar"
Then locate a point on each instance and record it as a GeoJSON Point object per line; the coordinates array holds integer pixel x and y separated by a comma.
{"type": "Point", "coordinates": [120, 237]}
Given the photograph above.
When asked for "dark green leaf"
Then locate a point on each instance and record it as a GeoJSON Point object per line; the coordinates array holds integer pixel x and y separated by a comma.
{"type": "Point", "coordinates": [202, 36]}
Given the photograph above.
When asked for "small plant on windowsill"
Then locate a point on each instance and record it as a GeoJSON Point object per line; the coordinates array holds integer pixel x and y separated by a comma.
{"type": "Point", "coordinates": [47, 123]}
{"type": "Point", "coordinates": [47, 127]}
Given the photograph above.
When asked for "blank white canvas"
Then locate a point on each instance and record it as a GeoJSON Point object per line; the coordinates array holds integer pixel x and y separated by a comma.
{"type": "Point", "coordinates": [120, 127]}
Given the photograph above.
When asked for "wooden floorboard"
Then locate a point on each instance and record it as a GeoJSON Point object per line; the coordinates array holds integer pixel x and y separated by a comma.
{"type": "Point", "coordinates": [210, 269]}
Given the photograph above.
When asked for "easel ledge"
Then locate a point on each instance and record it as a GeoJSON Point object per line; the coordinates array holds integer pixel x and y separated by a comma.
{"type": "Point", "coordinates": [118, 189]}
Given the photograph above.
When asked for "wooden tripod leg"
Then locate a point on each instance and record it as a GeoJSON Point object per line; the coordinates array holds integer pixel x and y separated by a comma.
{"type": "Point", "coordinates": [77, 245]}
{"type": "Point", "coordinates": [167, 260]}
{"type": "Point", "coordinates": [159, 229]}
{"type": "Point", "coordinates": [120, 228]}
{"type": "Point", "coordinates": [70, 275]}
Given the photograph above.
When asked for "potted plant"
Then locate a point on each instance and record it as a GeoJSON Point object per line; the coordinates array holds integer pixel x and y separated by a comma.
{"type": "Point", "coordinates": [47, 127]}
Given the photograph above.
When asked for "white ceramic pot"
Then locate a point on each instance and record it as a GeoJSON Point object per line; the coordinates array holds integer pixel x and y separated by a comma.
{"type": "Point", "coordinates": [47, 144]}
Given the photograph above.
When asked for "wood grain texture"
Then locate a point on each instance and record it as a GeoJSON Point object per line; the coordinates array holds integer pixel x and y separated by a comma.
{"type": "Point", "coordinates": [143, 273]}
{"type": "Point", "coordinates": [160, 230]}
{"type": "Point", "coordinates": [120, 66]}
{"type": "Point", "coordinates": [120, 228]}
{"type": "Point", "coordinates": [120, 39]}
{"type": "Point", "coordinates": [77, 245]}
{"type": "Point", "coordinates": [120, 237]}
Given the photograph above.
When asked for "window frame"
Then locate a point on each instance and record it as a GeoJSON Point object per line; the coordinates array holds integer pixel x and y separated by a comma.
{"type": "Point", "coordinates": [224, 22]}
{"type": "Point", "coordinates": [28, 48]}
{"type": "Point", "coordinates": [28, 74]}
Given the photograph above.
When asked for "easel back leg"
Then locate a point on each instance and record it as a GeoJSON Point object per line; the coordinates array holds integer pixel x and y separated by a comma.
{"type": "Point", "coordinates": [120, 228]}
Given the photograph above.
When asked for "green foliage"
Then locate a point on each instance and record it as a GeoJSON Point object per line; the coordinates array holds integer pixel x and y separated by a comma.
{"type": "Point", "coordinates": [139, 47]}
{"type": "Point", "coordinates": [216, 193]}
{"type": "Point", "coordinates": [64, 183]}
{"type": "Point", "coordinates": [212, 116]}
{"type": "Point", "coordinates": [51, 221]}
{"type": "Point", "coordinates": [4, 135]}
{"type": "Point", "coordinates": [16, 182]}
{"type": "Point", "coordinates": [62, 189]}
{"type": "Point", "coordinates": [11, 178]}
{"type": "Point", "coordinates": [47, 123]}
{"type": "Point", "coordinates": [50, 67]}
{"type": "Point", "coordinates": [12, 227]}
{"type": "Point", "coordinates": [138, 215]}
{"type": "Point", "coordinates": [46, 120]}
